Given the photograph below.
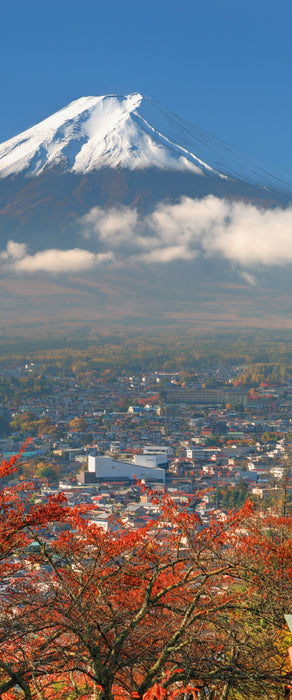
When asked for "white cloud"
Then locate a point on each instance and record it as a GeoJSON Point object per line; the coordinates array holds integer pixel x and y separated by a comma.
{"type": "Point", "coordinates": [14, 251]}
{"type": "Point", "coordinates": [167, 254]}
{"type": "Point", "coordinates": [113, 226]}
{"type": "Point", "coordinates": [247, 277]}
{"type": "Point", "coordinates": [52, 260]}
{"type": "Point", "coordinates": [246, 235]}
{"type": "Point", "coordinates": [242, 233]}
{"type": "Point", "coordinates": [251, 236]}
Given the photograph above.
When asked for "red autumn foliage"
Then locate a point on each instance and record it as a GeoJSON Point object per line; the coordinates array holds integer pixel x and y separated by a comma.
{"type": "Point", "coordinates": [172, 608]}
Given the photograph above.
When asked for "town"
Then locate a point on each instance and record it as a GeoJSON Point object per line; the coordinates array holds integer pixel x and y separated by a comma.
{"type": "Point", "coordinates": [210, 438]}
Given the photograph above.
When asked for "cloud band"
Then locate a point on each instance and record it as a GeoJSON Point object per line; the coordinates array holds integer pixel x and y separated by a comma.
{"type": "Point", "coordinates": [239, 232]}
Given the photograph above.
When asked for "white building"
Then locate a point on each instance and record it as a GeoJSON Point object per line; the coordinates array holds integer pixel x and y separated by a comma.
{"type": "Point", "coordinates": [195, 453]}
{"type": "Point", "coordinates": [156, 450]}
{"type": "Point", "coordinates": [115, 447]}
{"type": "Point", "coordinates": [278, 472]}
{"type": "Point", "coordinates": [150, 460]}
{"type": "Point", "coordinates": [113, 470]}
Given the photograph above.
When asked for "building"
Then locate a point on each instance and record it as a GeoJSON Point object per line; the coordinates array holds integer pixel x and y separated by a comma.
{"type": "Point", "coordinates": [150, 460]}
{"type": "Point", "coordinates": [107, 469]}
{"type": "Point", "coordinates": [206, 397]}
{"type": "Point", "coordinates": [160, 450]}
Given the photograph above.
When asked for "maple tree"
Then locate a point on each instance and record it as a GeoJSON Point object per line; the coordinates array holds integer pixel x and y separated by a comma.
{"type": "Point", "coordinates": [169, 608]}
{"type": "Point", "coordinates": [18, 518]}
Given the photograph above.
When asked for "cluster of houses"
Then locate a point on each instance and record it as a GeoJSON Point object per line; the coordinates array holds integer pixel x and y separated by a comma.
{"type": "Point", "coordinates": [108, 438]}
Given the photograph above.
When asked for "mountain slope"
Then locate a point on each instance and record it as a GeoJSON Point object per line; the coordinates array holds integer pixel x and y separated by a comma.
{"type": "Point", "coordinates": [115, 211]}
{"type": "Point", "coordinates": [91, 133]}
{"type": "Point", "coordinates": [111, 151]}
{"type": "Point", "coordinates": [129, 132]}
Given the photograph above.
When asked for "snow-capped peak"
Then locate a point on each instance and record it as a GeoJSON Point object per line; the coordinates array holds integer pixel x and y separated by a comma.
{"type": "Point", "coordinates": [91, 133]}
{"type": "Point", "coordinates": [123, 131]}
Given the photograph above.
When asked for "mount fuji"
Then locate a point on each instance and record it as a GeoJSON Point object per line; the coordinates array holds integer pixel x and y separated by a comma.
{"type": "Point", "coordinates": [114, 208]}
{"type": "Point", "coordinates": [129, 132]}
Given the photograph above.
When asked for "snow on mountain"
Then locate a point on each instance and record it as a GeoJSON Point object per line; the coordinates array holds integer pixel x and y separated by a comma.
{"type": "Point", "coordinates": [124, 131]}
{"type": "Point", "coordinates": [91, 133]}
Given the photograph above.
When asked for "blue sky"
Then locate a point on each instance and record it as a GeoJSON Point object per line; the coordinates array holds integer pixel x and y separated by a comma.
{"type": "Point", "coordinates": [223, 65]}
